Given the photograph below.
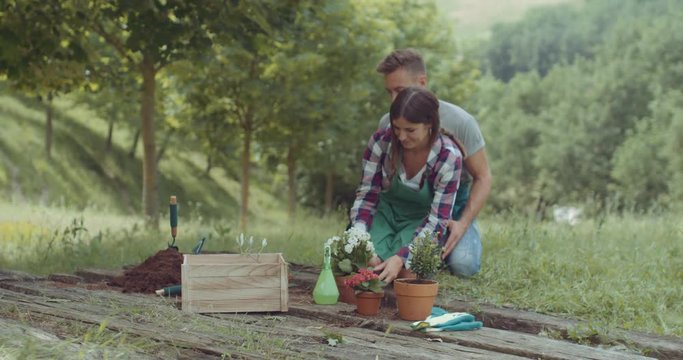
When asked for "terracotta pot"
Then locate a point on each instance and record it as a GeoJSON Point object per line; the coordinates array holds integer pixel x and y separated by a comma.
{"type": "Point", "coordinates": [415, 298]}
{"type": "Point", "coordinates": [367, 302]}
{"type": "Point", "coordinates": [346, 293]}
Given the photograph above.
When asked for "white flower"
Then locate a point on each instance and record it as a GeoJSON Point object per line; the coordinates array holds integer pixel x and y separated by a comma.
{"type": "Point", "coordinates": [264, 242]}
{"type": "Point", "coordinates": [369, 246]}
{"type": "Point", "coordinates": [251, 241]}
{"type": "Point", "coordinates": [348, 248]}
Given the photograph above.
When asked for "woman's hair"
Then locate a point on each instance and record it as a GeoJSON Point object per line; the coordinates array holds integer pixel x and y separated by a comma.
{"type": "Point", "coordinates": [418, 106]}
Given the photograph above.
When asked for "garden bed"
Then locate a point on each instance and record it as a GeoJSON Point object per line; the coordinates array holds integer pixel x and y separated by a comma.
{"type": "Point", "coordinates": [42, 306]}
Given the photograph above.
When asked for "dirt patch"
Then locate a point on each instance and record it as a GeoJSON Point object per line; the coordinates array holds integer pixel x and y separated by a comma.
{"type": "Point", "coordinates": [159, 270]}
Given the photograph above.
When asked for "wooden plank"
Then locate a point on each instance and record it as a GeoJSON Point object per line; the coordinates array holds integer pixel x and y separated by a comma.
{"type": "Point", "coordinates": [186, 340]}
{"type": "Point", "coordinates": [255, 294]}
{"type": "Point", "coordinates": [231, 270]}
{"type": "Point", "coordinates": [98, 275]}
{"type": "Point", "coordinates": [13, 275]}
{"type": "Point", "coordinates": [659, 346]}
{"type": "Point", "coordinates": [507, 342]}
{"type": "Point", "coordinates": [237, 282]}
{"type": "Point", "coordinates": [224, 259]}
{"type": "Point", "coordinates": [185, 285]}
{"type": "Point", "coordinates": [302, 337]}
{"type": "Point", "coordinates": [284, 287]}
{"type": "Point", "coordinates": [235, 305]}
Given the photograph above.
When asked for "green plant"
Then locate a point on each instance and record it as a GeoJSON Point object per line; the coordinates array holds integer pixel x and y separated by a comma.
{"type": "Point", "coordinates": [365, 280]}
{"type": "Point", "coordinates": [425, 260]}
{"type": "Point", "coordinates": [351, 251]}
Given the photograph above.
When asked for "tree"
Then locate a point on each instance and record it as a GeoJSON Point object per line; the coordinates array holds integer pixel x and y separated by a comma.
{"type": "Point", "coordinates": [41, 54]}
{"type": "Point", "coordinates": [147, 36]}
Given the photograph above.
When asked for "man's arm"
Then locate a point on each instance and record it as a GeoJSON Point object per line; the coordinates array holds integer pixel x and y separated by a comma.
{"type": "Point", "coordinates": [477, 165]}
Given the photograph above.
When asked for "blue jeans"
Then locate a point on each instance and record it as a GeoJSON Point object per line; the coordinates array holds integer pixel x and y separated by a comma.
{"type": "Point", "coordinates": [465, 259]}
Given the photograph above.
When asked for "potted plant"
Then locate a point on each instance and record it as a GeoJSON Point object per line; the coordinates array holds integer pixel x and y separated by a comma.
{"type": "Point", "coordinates": [369, 293]}
{"type": "Point", "coordinates": [351, 252]}
{"type": "Point", "coordinates": [415, 297]}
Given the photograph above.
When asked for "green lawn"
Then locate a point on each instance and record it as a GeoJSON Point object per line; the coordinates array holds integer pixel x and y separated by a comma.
{"type": "Point", "coordinates": [622, 272]}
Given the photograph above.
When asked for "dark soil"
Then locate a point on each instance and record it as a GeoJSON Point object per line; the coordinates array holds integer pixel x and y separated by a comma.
{"type": "Point", "coordinates": [158, 271]}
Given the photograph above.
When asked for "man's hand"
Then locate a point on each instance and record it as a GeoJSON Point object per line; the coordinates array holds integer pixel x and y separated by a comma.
{"type": "Point", "coordinates": [456, 229]}
{"type": "Point", "coordinates": [390, 268]}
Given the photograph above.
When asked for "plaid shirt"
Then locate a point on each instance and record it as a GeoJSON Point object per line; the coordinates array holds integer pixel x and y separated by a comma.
{"type": "Point", "coordinates": [444, 166]}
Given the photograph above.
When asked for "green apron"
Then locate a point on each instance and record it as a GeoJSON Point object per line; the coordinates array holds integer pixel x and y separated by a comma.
{"type": "Point", "coordinates": [399, 212]}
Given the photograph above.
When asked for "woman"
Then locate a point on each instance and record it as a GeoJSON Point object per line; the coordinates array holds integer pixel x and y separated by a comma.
{"type": "Point", "coordinates": [411, 173]}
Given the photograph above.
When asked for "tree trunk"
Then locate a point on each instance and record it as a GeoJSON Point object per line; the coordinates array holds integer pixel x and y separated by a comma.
{"type": "Point", "coordinates": [329, 191]}
{"type": "Point", "coordinates": [134, 147]}
{"type": "Point", "coordinates": [291, 182]}
{"type": "Point", "coordinates": [149, 169]}
{"type": "Point", "coordinates": [246, 155]}
{"type": "Point", "coordinates": [164, 145]}
{"type": "Point", "coordinates": [49, 114]}
{"type": "Point", "coordinates": [110, 132]}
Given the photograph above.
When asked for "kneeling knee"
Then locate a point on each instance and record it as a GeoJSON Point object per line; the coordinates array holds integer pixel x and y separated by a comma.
{"type": "Point", "coordinates": [464, 268]}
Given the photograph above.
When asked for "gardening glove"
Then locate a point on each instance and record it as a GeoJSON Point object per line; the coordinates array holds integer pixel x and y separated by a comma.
{"type": "Point", "coordinates": [440, 320]}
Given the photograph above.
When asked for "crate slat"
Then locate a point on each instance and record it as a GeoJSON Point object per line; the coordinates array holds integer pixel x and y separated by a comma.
{"type": "Point", "coordinates": [209, 306]}
{"type": "Point", "coordinates": [233, 270]}
{"type": "Point", "coordinates": [234, 283]}
{"type": "Point", "coordinates": [208, 259]}
{"type": "Point", "coordinates": [235, 294]}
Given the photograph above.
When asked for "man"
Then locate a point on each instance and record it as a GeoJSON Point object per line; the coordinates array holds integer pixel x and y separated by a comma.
{"type": "Point", "coordinates": [462, 250]}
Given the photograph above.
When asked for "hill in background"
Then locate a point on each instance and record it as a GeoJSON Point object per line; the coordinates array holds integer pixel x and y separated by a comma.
{"type": "Point", "coordinates": [474, 18]}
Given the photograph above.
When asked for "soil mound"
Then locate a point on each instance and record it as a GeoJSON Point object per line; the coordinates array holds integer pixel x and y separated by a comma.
{"type": "Point", "coordinates": [159, 270]}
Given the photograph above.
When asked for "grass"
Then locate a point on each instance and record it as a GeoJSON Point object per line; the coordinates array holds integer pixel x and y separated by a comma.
{"type": "Point", "coordinates": [621, 272]}
{"type": "Point", "coordinates": [44, 240]}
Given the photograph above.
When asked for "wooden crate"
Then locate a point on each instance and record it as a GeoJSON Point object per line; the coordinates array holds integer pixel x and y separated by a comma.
{"type": "Point", "coordinates": [234, 283]}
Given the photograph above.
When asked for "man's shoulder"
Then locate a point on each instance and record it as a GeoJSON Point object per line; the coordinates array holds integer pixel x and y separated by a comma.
{"type": "Point", "coordinates": [452, 112]}
{"type": "Point", "coordinates": [461, 124]}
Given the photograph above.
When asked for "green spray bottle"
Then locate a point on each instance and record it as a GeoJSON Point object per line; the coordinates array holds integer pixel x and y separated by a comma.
{"type": "Point", "coordinates": [326, 292]}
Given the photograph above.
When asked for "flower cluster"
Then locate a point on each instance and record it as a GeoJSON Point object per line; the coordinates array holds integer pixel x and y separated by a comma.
{"type": "Point", "coordinates": [365, 280]}
{"type": "Point", "coordinates": [350, 251]}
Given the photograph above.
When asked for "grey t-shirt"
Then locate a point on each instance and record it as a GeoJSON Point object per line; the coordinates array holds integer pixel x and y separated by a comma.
{"type": "Point", "coordinates": [465, 127]}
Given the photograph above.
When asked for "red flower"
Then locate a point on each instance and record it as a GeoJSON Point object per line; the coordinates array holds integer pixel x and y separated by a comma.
{"type": "Point", "coordinates": [364, 280]}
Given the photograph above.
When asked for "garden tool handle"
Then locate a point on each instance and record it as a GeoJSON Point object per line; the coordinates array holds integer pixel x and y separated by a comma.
{"type": "Point", "coordinates": [173, 206]}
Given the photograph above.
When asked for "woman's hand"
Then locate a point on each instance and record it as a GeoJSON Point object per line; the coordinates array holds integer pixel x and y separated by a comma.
{"type": "Point", "coordinates": [390, 268]}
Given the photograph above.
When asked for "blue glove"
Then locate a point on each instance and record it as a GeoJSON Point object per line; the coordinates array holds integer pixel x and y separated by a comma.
{"type": "Point", "coordinates": [441, 320]}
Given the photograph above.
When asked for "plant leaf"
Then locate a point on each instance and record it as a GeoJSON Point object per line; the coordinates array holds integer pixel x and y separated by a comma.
{"type": "Point", "coordinates": [345, 266]}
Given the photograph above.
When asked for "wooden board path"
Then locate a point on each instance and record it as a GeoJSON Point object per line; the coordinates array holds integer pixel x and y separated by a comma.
{"type": "Point", "coordinates": [299, 333]}
{"type": "Point", "coordinates": [657, 346]}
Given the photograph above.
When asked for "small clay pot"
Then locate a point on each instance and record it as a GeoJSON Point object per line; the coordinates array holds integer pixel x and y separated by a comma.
{"type": "Point", "coordinates": [415, 298]}
{"type": "Point", "coordinates": [368, 302]}
{"type": "Point", "coordinates": [346, 293]}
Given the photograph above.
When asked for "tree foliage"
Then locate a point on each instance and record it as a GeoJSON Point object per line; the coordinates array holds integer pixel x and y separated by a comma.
{"type": "Point", "coordinates": [596, 125]}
